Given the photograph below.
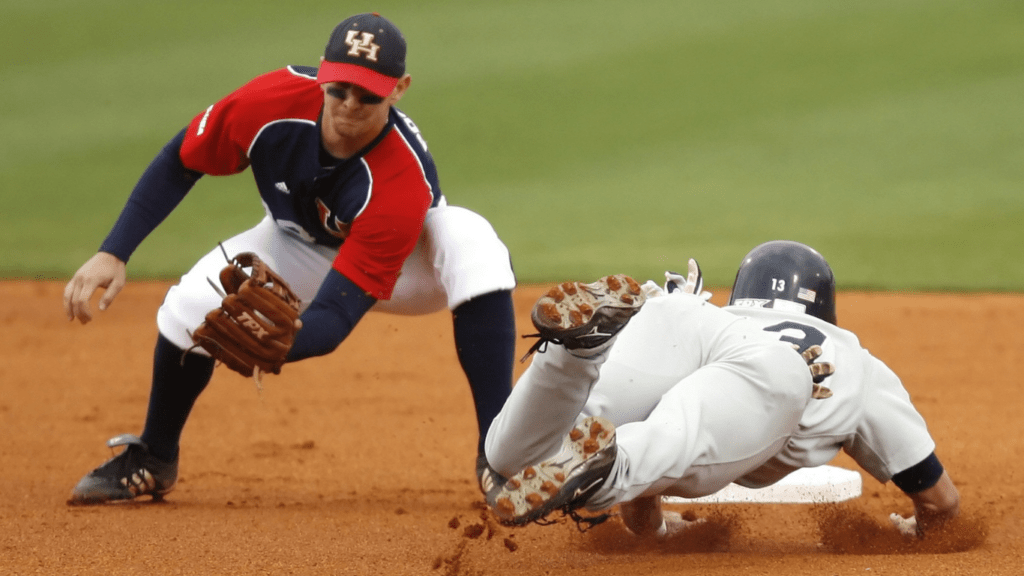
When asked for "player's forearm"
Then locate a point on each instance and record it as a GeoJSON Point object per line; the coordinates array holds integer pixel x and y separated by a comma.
{"type": "Point", "coordinates": [334, 312]}
{"type": "Point", "coordinates": [936, 505]}
{"type": "Point", "coordinates": [158, 192]}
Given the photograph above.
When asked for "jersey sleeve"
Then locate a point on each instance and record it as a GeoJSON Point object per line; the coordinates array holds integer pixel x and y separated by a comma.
{"type": "Point", "coordinates": [892, 435]}
{"type": "Point", "coordinates": [218, 139]}
{"type": "Point", "coordinates": [386, 231]}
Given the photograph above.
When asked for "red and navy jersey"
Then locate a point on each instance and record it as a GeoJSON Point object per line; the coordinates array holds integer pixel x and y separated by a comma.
{"type": "Point", "coordinates": [371, 206]}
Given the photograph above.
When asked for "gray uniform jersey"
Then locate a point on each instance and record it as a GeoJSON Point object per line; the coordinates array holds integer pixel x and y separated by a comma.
{"type": "Point", "coordinates": [870, 414]}
{"type": "Point", "coordinates": [703, 396]}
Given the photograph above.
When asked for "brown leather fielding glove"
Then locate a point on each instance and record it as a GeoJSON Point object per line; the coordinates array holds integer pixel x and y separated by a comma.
{"type": "Point", "coordinates": [255, 327]}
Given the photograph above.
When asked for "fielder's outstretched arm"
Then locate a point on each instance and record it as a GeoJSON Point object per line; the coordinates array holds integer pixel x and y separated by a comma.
{"type": "Point", "coordinates": [158, 192]}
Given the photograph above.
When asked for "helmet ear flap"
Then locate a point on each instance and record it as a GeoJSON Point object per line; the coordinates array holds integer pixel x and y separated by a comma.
{"type": "Point", "coordinates": [783, 274]}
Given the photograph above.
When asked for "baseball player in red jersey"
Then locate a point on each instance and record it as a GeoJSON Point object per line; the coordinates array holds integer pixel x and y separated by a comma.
{"type": "Point", "coordinates": [688, 397]}
{"type": "Point", "coordinates": [355, 221]}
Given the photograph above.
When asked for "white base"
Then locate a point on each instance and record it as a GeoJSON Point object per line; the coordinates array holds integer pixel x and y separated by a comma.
{"type": "Point", "coordinates": [803, 486]}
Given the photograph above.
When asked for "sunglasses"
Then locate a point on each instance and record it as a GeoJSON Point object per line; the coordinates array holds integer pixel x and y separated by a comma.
{"type": "Point", "coordinates": [342, 94]}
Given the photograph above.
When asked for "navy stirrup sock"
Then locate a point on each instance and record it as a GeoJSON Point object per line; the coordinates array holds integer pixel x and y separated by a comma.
{"type": "Point", "coordinates": [485, 339]}
{"type": "Point", "coordinates": [177, 383]}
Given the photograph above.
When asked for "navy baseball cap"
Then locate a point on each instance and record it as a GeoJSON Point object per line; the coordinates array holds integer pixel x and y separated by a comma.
{"type": "Point", "coordinates": [366, 50]}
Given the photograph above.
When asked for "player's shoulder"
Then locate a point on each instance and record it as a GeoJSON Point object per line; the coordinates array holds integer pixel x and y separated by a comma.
{"type": "Point", "coordinates": [220, 138]}
{"type": "Point", "coordinates": [301, 78]}
{"type": "Point", "coordinates": [771, 317]}
{"type": "Point", "coordinates": [400, 148]}
{"type": "Point", "coordinates": [289, 92]}
{"type": "Point", "coordinates": [287, 82]}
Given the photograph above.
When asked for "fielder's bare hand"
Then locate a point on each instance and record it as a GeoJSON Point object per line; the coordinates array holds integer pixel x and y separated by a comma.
{"type": "Point", "coordinates": [103, 270]}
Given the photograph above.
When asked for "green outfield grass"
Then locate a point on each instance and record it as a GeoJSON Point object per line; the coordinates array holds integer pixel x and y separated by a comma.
{"type": "Point", "coordinates": [596, 136]}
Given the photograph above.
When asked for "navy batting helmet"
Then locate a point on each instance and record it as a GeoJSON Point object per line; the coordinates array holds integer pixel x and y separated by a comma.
{"type": "Point", "coordinates": [786, 275]}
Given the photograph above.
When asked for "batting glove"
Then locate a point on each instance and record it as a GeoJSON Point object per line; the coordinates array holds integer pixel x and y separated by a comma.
{"type": "Point", "coordinates": [906, 526]}
{"type": "Point", "coordinates": [692, 284]}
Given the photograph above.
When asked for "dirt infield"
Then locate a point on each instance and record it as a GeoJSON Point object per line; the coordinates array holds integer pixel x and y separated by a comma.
{"type": "Point", "coordinates": [362, 462]}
